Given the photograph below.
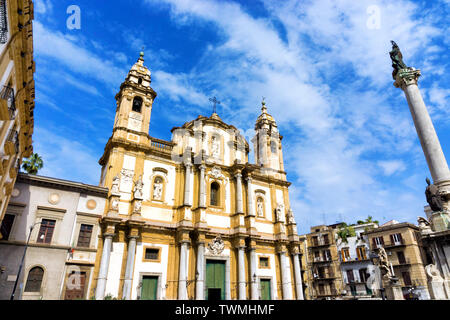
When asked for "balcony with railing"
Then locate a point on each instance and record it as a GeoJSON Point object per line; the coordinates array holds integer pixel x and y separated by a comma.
{"type": "Point", "coordinates": [319, 242]}
{"type": "Point", "coordinates": [7, 104]}
{"type": "Point", "coordinates": [396, 243]}
{"type": "Point", "coordinates": [161, 145]}
{"type": "Point", "coordinates": [402, 262]}
{"type": "Point", "coordinates": [322, 260]}
{"type": "Point", "coordinates": [327, 293]}
{"type": "Point", "coordinates": [324, 276]}
{"type": "Point", "coordinates": [12, 143]}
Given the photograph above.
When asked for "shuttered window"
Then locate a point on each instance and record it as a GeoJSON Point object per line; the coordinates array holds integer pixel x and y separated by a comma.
{"type": "Point", "coordinates": [46, 231]}
{"type": "Point", "coordinates": [84, 238]}
{"type": "Point", "coordinates": [6, 227]}
{"type": "Point", "coordinates": [214, 194]}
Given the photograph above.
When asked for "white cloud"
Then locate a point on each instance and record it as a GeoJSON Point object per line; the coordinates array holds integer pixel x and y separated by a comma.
{"type": "Point", "coordinates": [334, 125]}
{"type": "Point", "coordinates": [392, 166]}
{"type": "Point", "coordinates": [43, 6]}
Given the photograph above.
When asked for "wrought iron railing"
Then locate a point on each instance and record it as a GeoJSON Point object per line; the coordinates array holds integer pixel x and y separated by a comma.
{"type": "Point", "coordinates": [7, 94]}
{"type": "Point", "coordinates": [3, 22]}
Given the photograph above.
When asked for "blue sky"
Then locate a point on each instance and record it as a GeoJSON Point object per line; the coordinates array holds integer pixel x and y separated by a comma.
{"type": "Point", "coordinates": [349, 145]}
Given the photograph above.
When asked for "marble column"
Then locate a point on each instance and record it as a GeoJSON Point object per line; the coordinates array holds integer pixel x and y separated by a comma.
{"type": "Point", "coordinates": [129, 268]}
{"type": "Point", "coordinates": [241, 265]}
{"type": "Point", "coordinates": [200, 283]}
{"type": "Point", "coordinates": [298, 276]}
{"type": "Point", "coordinates": [202, 200]}
{"type": "Point", "coordinates": [407, 80]}
{"type": "Point", "coordinates": [254, 285]}
{"type": "Point", "coordinates": [182, 278]}
{"type": "Point", "coordinates": [187, 185]}
{"type": "Point", "coordinates": [285, 276]}
{"type": "Point", "coordinates": [250, 197]}
{"type": "Point", "coordinates": [104, 266]}
{"type": "Point", "coordinates": [239, 204]}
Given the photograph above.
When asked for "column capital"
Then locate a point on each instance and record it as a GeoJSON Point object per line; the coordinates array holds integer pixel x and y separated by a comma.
{"type": "Point", "coordinates": [248, 179]}
{"type": "Point", "coordinates": [407, 77]}
{"type": "Point", "coordinates": [238, 175]}
{"type": "Point", "coordinates": [202, 167]}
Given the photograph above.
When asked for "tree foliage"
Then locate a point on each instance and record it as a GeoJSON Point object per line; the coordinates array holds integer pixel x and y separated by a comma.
{"type": "Point", "coordinates": [33, 164]}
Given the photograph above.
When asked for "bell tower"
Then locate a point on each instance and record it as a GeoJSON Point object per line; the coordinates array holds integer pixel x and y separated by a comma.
{"type": "Point", "coordinates": [134, 104]}
{"type": "Point", "coordinates": [267, 143]}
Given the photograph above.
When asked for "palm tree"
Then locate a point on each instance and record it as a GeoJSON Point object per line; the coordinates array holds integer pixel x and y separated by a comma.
{"type": "Point", "coordinates": [33, 164]}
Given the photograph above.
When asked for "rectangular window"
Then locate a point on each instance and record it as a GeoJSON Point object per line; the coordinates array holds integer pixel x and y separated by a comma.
{"type": "Point", "coordinates": [327, 255]}
{"type": "Point", "coordinates": [396, 239]}
{"type": "Point", "coordinates": [7, 224]}
{"type": "Point", "coordinates": [406, 278]}
{"type": "Point", "coordinates": [315, 241]}
{"type": "Point", "coordinates": [401, 257]}
{"type": "Point", "coordinates": [361, 252]}
{"type": "Point", "coordinates": [3, 22]}
{"type": "Point", "coordinates": [264, 262]}
{"type": "Point", "coordinates": [363, 276]}
{"type": "Point", "coordinates": [151, 254]}
{"type": "Point", "coordinates": [46, 231]}
{"type": "Point", "coordinates": [350, 276]}
{"type": "Point", "coordinates": [325, 239]}
{"type": "Point", "coordinates": [378, 242]}
{"type": "Point", "coordinates": [84, 238]}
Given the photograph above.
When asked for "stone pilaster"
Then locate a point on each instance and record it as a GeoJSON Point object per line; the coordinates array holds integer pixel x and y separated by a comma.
{"type": "Point", "coordinates": [239, 203]}
{"type": "Point", "coordinates": [202, 193]}
{"type": "Point", "coordinates": [187, 184]}
{"type": "Point", "coordinates": [407, 79]}
{"type": "Point", "coordinates": [184, 241]}
{"type": "Point", "coordinates": [250, 209]}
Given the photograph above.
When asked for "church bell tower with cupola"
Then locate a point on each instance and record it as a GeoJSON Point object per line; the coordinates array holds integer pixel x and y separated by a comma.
{"type": "Point", "coordinates": [267, 144]}
{"type": "Point", "coordinates": [134, 104]}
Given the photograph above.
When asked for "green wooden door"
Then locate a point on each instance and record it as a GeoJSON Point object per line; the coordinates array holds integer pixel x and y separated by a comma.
{"type": "Point", "coordinates": [149, 287]}
{"type": "Point", "coordinates": [265, 289]}
{"type": "Point", "coordinates": [215, 277]}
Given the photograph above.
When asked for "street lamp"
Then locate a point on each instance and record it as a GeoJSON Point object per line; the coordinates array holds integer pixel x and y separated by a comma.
{"type": "Point", "coordinates": [375, 259]}
{"type": "Point", "coordinates": [21, 263]}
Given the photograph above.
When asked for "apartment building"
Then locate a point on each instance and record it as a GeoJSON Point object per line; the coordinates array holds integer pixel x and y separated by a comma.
{"type": "Point", "coordinates": [324, 278]}
{"type": "Point", "coordinates": [406, 256]}
{"type": "Point", "coordinates": [62, 246]}
{"type": "Point", "coordinates": [16, 92]}
{"type": "Point", "coordinates": [355, 264]}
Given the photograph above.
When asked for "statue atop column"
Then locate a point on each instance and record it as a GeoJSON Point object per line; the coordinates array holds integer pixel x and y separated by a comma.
{"type": "Point", "coordinates": [397, 59]}
{"type": "Point", "coordinates": [433, 197]}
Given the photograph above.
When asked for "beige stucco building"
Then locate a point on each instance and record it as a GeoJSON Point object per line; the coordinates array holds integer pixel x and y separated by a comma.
{"type": "Point", "coordinates": [191, 218]}
{"type": "Point", "coordinates": [62, 247]}
{"type": "Point", "coordinates": [16, 92]}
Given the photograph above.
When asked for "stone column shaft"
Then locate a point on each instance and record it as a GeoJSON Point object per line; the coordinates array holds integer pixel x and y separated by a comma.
{"type": "Point", "coordinates": [239, 203]}
{"type": "Point", "coordinates": [298, 277]}
{"type": "Point", "coordinates": [202, 200]}
{"type": "Point", "coordinates": [187, 185]}
{"type": "Point", "coordinates": [254, 284]}
{"type": "Point", "coordinates": [285, 276]}
{"type": "Point", "coordinates": [241, 264]}
{"type": "Point", "coordinates": [434, 155]}
{"type": "Point", "coordinates": [182, 279]}
{"type": "Point", "coordinates": [129, 269]}
{"type": "Point", "coordinates": [104, 266]}
{"type": "Point", "coordinates": [199, 288]}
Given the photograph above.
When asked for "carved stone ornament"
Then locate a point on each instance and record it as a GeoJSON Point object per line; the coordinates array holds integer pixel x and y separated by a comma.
{"type": "Point", "coordinates": [138, 186]}
{"type": "Point", "coordinates": [137, 206]}
{"type": "Point", "coordinates": [115, 204]}
{"type": "Point", "coordinates": [216, 246]}
{"type": "Point", "coordinates": [424, 225]}
{"type": "Point", "coordinates": [216, 173]}
{"type": "Point", "coordinates": [115, 185]}
{"type": "Point", "coordinates": [433, 273]}
{"type": "Point", "coordinates": [126, 178]}
{"type": "Point", "coordinates": [290, 217]}
{"type": "Point", "coordinates": [384, 264]}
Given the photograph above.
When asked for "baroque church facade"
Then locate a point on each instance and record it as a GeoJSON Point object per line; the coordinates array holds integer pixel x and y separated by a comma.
{"type": "Point", "coordinates": [191, 218]}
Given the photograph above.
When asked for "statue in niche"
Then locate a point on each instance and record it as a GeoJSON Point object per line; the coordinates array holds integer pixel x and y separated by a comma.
{"type": "Point", "coordinates": [157, 188]}
{"type": "Point", "coordinates": [433, 197]}
{"type": "Point", "coordinates": [215, 147]}
{"type": "Point", "coordinates": [115, 184]}
{"type": "Point", "coordinates": [259, 207]}
{"type": "Point", "coordinates": [397, 59]}
{"type": "Point", "coordinates": [138, 188]}
{"type": "Point", "coordinates": [279, 212]}
{"type": "Point", "coordinates": [137, 206]}
{"type": "Point", "coordinates": [115, 204]}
